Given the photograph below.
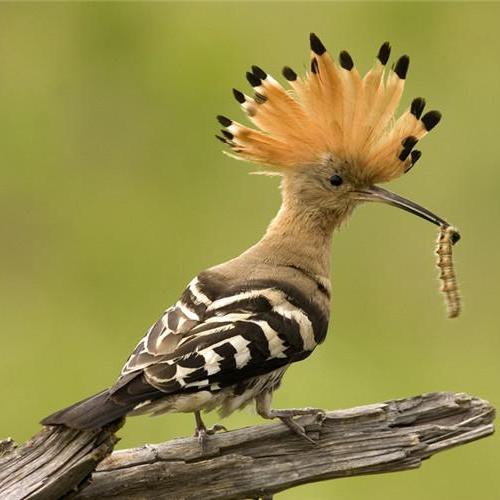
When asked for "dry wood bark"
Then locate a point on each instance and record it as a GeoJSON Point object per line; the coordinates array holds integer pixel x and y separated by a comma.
{"type": "Point", "coordinates": [53, 462]}
{"type": "Point", "coordinates": [254, 462]}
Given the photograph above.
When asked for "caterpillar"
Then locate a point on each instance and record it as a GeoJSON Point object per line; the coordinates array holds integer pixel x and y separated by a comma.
{"type": "Point", "coordinates": [448, 235]}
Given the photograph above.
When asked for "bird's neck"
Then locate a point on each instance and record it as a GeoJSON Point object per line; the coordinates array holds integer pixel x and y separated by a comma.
{"type": "Point", "coordinates": [298, 237]}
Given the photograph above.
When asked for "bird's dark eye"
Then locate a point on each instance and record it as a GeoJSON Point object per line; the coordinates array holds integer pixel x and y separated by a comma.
{"type": "Point", "coordinates": [336, 180]}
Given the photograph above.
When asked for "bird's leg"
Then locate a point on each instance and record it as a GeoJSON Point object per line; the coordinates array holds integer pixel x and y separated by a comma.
{"type": "Point", "coordinates": [201, 431]}
{"type": "Point", "coordinates": [263, 406]}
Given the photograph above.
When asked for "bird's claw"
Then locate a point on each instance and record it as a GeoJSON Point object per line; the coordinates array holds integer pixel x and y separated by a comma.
{"type": "Point", "coordinates": [202, 434]}
{"type": "Point", "coordinates": [287, 417]}
{"type": "Point", "coordinates": [297, 428]}
{"type": "Point", "coordinates": [216, 428]}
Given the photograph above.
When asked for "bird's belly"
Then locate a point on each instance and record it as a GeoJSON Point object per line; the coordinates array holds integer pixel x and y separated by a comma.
{"type": "Point", "coordinates": [226, 400]}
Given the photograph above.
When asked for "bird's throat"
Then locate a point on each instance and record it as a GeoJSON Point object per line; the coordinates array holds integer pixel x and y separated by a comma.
{"type": "Point", "coordinates": [298, 237]}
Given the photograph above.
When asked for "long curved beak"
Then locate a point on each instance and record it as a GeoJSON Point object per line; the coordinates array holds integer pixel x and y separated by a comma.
{"type": "Point", "coordinates": [378, 194]}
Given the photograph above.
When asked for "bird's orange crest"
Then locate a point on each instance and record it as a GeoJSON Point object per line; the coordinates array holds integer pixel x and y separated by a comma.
{"type": "Point", "coordinates": [331, 111]}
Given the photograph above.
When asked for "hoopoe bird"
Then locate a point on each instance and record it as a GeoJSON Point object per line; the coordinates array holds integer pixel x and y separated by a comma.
{"type": "Point", "coordinates": [239, 325]}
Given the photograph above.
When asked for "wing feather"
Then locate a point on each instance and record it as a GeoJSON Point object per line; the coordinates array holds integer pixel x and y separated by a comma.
{"type": "Point", "coordinates": [241, 333]}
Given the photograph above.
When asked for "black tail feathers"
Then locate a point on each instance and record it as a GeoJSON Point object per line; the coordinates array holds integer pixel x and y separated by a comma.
{"type": "Point", "coordinates": [91, 413]}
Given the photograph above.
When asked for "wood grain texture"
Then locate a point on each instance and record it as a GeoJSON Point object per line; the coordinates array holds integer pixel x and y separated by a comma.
{"type": "Point", "coordinates": [254, 462]}
{"type": "Point", "coordinates": [52, 463]}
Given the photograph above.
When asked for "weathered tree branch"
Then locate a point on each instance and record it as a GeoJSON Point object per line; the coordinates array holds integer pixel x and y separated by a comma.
{"type": "Point", "coordinates": [53, 462]}
{"type": "Point", "coordinates": [254, 462]}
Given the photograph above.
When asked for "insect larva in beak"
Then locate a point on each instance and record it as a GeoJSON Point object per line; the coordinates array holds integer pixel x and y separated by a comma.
{"type": "Point", "coordinates": [447, 276]}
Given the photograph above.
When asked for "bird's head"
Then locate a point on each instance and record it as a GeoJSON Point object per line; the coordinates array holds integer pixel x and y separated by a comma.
{"type": "Point", "coordinates": [333, 137]}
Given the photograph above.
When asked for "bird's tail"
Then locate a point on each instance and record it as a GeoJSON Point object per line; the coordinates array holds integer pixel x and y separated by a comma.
{"type": "Point", "coordinates": [91, 413]}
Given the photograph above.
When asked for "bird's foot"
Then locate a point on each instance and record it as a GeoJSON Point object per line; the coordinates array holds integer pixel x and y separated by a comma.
{"type": "Point", "coordinates": [202, 432]}
{"type": "Point", "coordinates": [287, 417]}
{"type": "Point", "coordinates": [313, 424]}
{"type": "Point", "coordinates": [211, 430]}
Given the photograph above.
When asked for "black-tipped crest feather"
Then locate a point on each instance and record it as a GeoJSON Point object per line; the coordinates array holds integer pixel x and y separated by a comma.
{"type": "Point", "coordinates": [289, 74]}
{"type": "Point", "coordinates": [409, 142]}
{"type": "Point", "coordinates": [401, 68]}
{"type": "Point", "coordinates": [224, 121]}
{"type": "Point", "coordinates": [316, 45]}
{"type": "Point", "coordinates": [384, 53]}
{"type": "Point", "coordinates": [417, 107]}
{"type": "Point", "coordinates": [259, 72]}
{"type": "Point", "coordinates": [239, 96]}
{"type": "Point", "coordinates": [431, 119]}
{"type": "Point", "coordinates": [415, 156]}
{"type": "Point", "coordinates": [345, 60]}
{"type": "Point", "coordinates": [253, 80]}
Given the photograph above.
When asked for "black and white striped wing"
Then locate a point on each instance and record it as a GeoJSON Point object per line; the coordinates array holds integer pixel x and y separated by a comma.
{"type": "Point", "coordinates": [246, 333]}
{"type": "Point", "coordinates": [164, 336]}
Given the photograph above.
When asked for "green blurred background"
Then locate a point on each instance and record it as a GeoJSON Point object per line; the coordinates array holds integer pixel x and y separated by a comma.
{"type": "Point", "coordinates": [114, 193]}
